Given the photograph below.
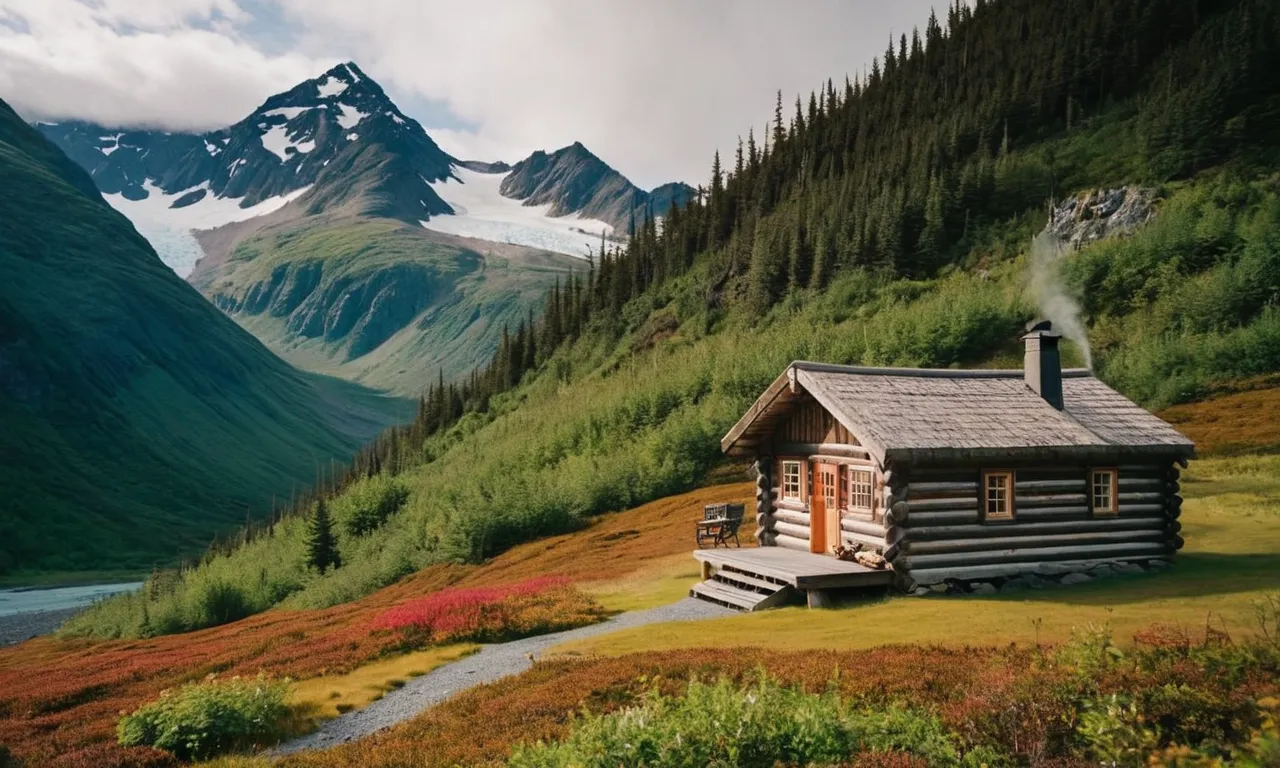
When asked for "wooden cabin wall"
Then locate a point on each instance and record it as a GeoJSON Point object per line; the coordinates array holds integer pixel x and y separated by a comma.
{"type": "Point", "coordinates": [936, 530]}
{"type": "Point", "coordinates": [813, 425]}
{"type": "Point", "coordinates": [813, 432]}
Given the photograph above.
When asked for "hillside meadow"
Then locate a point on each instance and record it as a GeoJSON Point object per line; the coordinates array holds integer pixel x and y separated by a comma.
{"type": "Point", "coordinates": [62, 696]}
{"type": "Point", "coordinates": [608, 423]}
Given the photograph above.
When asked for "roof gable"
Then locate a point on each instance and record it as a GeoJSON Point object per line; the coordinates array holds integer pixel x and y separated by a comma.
{"type": "Point", "coordinates": [922, 415]}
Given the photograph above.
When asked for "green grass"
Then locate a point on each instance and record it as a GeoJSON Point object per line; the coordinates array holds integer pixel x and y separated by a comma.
{"type": "Point", "coordinates": [1231, 522]}
{"type": "Point", "coordinates": [138, 421]}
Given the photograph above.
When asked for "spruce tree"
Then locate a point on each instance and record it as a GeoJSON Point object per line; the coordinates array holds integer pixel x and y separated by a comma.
{"type": "Point", "coordinates": [322, 547]}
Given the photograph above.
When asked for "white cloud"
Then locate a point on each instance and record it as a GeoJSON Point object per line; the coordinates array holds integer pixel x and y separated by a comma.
{"type": "Point", "coordinates": [133, 62]}
{"type": "Point", "coordinates": [652, 87]}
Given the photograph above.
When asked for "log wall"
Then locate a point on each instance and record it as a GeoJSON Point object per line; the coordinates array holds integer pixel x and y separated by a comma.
{"type": "Point", "coordinates": [812, 424]}
{"type": "Point", "coordinates": [935, 529]}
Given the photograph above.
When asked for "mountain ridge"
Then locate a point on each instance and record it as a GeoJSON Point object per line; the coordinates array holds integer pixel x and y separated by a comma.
{"type": "Point", "coordinates": [573, 180]}
{"type": "Point", "coordinates": [328, 162]}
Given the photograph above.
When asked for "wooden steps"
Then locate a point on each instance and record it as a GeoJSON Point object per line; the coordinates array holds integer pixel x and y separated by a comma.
{"type": "Point", "coordinates": [755, 578]}
{"type": "Point", "coordinates": [742, 591]}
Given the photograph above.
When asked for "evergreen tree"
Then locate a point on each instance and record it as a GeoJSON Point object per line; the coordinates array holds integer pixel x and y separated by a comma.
{"type": "Point", "coordinates": [322, 547]}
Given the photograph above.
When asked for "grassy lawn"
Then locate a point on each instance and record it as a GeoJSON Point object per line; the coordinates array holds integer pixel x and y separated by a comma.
{"type": "Point", "coordinates": [324, 698]}
{"type": "Point", "coordinates": [1231, 523]}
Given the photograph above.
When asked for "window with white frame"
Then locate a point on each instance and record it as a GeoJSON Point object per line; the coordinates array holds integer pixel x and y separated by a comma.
{"type": "Point", "coordinates": [791, 480]}
{"type": "Point", "coordinates": [1102, 491]}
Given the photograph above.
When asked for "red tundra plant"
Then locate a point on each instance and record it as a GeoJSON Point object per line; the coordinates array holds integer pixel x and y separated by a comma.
{"type": "Point", "coordinates": [488, 614]}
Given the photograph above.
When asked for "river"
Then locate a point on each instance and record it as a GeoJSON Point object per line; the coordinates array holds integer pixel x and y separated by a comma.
{"type": "Point", "coordinates": [35, 599]}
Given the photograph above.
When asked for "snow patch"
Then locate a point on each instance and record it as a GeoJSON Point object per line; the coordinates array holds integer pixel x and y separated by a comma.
{"type": "Point", "coordinates": [169, 229]}
{"type": "Point", "coordinates": [396, 118]}
{"type": "Point", "coordinates": [211, 148]}
{"type": "Point", "coordinates": [480, 211]}
{"type": "Point", "coordinates": [331, 86]}
{"type": "Point", "coordinates": [276, 140]}
{"type": "Point", "coordinates": [349, 119]}
{"type": "Point", "coordinates": [352, 136]}
{"type": "Point", "coordinates": [115, 144]}
{"type": "Point", "coordinates": [288, 113]}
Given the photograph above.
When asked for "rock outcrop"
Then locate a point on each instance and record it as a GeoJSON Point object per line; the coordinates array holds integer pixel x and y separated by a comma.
{"type": "Point", "coordinates": [1092, 216]}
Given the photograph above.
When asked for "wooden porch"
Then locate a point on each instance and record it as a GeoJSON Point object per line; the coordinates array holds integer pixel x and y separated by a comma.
{"type": "Point", "coordinates": [755, 578]}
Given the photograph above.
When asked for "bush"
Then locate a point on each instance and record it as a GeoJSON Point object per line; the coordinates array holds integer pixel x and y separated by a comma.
{"type": "Point", "coordinates": [209, 718]}
{"type": "Point", "coordinates": [366, 505]}
{"type": "Point", "coordinates": [763, 725]}
{"type": "Point", "coordinates": [490, 614]}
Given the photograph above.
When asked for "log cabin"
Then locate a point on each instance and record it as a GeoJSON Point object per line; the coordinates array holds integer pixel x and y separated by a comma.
{"type": "Point", "coordinates": [959, 477]}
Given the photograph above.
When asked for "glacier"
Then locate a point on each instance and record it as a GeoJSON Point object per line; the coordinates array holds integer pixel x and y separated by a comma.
{"type": "Point", "coordinates": [482, 212]}
{"type": "Point", "coordinates": [169, 229]}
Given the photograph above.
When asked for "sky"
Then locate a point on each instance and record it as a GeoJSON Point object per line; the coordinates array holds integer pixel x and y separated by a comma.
{"type": "Point", "coordinates": [653, 87]}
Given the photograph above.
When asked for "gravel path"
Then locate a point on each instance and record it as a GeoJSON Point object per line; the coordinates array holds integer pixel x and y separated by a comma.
{"type": "Point", "coordinates": [24, 626]}
{"type": "Point", "coordinates": [490, 663]}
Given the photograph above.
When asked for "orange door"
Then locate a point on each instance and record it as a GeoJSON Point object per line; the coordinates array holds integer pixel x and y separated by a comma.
{"type": "Point", "coordinates": [824, 508]}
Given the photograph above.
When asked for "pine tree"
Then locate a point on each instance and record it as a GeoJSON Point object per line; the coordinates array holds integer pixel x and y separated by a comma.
{"type": "Point", "coordinates": [322, 547]}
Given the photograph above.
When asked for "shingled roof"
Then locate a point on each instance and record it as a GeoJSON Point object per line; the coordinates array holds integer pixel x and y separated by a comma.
{"type": "Point", "coordinates": [923, 415]}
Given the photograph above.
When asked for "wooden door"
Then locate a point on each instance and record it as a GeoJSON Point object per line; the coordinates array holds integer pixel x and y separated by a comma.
{"type": "Point", "coordinates": [824, 508]}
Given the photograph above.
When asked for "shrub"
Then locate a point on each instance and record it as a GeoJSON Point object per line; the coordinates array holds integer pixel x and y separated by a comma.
{"type": "Point", "coordinates": [763, 725]}
{"type": "Point", "coordinates": [218, 602]}
{"type": "Point", "coordinates": [369, 503]}
{"type": "Point", "coordinates": [210, 718]}
{"type": "Point", "coordinates": [489, 614]}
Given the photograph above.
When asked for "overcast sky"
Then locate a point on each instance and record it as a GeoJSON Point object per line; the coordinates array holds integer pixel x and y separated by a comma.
{"type": "Point", "coordinates": [652, 87]}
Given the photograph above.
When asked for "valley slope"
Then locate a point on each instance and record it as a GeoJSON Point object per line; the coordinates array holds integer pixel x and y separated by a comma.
{"type": "Point", "coordinates": [138, 421]}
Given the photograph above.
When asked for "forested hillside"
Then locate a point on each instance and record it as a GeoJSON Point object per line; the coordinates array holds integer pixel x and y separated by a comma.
{"type": "Point", "coordinates": [882, 220]}
{"type": "Point", "coordinates": [137, 421]}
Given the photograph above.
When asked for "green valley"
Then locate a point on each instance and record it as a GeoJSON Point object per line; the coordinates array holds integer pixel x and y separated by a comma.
{"type": "Point", "coordinates": [137, 420]}
{"type": "Point", "coordinates": [378, 301]}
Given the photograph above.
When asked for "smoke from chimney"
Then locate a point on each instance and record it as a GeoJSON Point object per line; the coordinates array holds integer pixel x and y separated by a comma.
{"type": "Point", "coordinates": [1051, 295]}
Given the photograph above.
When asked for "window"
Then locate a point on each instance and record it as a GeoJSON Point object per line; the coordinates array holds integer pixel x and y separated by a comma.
{"type": "Point", "coordinates": [791, 480]}
{"type": "Point", "coordinates": [858, 491]}
{"type": "Point", "coordinates": [1103, 491]}
{"type": "Point", "coordinates": [997, 495]}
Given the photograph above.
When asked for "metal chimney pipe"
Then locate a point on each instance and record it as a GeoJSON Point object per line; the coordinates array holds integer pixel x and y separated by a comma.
{"type": "Point", "coordinates": [1042, 365]}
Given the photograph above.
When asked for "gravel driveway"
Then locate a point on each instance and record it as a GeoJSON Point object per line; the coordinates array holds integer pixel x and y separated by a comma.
{"type": "Point", "coordinates": [490, 663]}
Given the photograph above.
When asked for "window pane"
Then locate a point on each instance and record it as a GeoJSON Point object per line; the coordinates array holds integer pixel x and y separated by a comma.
{"type": "Point", "coordinates": [997, 488]}
{"type": "Point", "coordinates": [1103, 491]}
{"type": "Point", "coordinates": [860, 491]}
{"type": "Point", "coordinates": [791, 480]}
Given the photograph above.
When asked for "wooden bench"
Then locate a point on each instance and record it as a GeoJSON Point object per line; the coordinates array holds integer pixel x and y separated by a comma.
{"type": "Point", "coordinates": [719, 524]}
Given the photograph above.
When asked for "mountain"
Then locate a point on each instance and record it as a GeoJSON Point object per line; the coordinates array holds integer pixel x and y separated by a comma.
{"type": "Point", "coordinates": [335, 229]}
{"type": "Point", "coordinates": [287, 144]}
{"type": "Point", "coordinates": [138, 420]}
{"type": "Point", "coordinates": [572, 180]}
